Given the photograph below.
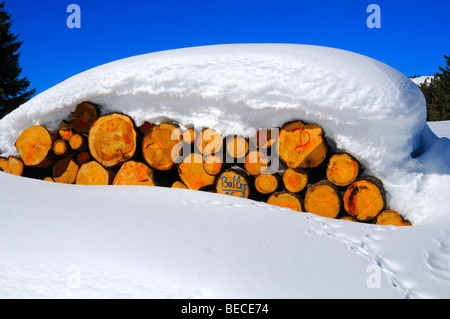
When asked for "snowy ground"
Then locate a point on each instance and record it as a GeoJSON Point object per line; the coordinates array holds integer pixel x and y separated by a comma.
{"type": "Point", "coordinates": [71, 241]}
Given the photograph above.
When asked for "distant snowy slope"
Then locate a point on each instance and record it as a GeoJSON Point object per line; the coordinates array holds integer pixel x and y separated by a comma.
{"type": "Point", "coordinates": [422, 79]}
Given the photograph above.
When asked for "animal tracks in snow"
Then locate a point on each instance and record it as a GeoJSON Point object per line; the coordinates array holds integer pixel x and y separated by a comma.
{"type": "Point", "coordinates": [438, 259]}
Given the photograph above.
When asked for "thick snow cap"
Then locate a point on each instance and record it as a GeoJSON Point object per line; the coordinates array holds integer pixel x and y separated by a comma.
{"type": "Point", "coordinates": [368, 108]}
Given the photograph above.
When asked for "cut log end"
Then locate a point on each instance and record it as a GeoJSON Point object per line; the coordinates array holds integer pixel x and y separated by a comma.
{"type": "Point", "coordinates": [301, 145]}
{"type": "Point", "coordinates": [65, 171]}
{"type": "Point", "coordinates": [192, 172]}
{"type": "Point", "coordinates": [11, 165]}
{"type": "Point", "coordinates": [236, 147]}
{"type": "Point", "coordinates": [65, 130]}
{"type": "Point", "coordinates": [323, 199]}
{"type": "Point", "coordinates": [60, 147]}
{"type": "Point", "coordinates": [92, 173]}
{"type": "Point", "coordinates": [256, 163]}
{"type": "Point", "coordinates": [35, 146]}
{"type": "Point", "coordinates": [234, 182]}
{"type": "Point", "coordinates": [77, 142]}
{"type": "Point", "coordinates": [179, 184]}
{"type": "Point", "coordinates": [342, 169]}
{"type": "Point", "coordinates": [161, 146]}
{"type": "Point", "coordinates": [364, 198]}
{"type": "Point", "coordinates": [267, 183]}
{"type": "Point", "coordinates": [295, 180]}
{"type": "Point", "coordinates": [285, 199]}
{"type": "Point", "coordinates": [84, 117]}
{"type": "Point", "coordinates": [209, 142]}
{"type": "Point", "coordinates": [112, 139]}
{"type": "Point", "coordinates": [391, 217]}
{"type": "Point", "coordinates": [134, 173]}
{"type": "Point", "coordinates": [213, 164]}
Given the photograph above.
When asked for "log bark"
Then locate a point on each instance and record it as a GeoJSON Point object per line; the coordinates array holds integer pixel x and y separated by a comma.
{"type": "Point", "coordinates": [235, 182]}
{"type": "Point", "coordinates": [162, 145]}
{"type": "Point", "coordinates": [268, 183]}
{"type": "Point", "coordinates": [342, 169]}
{"type": "Point", "coordinates": [134, 173]}
{"type": "Point", "coordinates": [35, 146]}
{"type": "Point", "coordinates": [209, 142]}
{"type": "Point", "coordinates": [287, 200]}
{"type": "Point", "coordinates": [212, 164]}
{"type": "Point", "coordinates": [256, 163]}
{"type": "Point", "coordinates": [65, 171]}
{"type": "Point", "coordinates": [295, 180]}
{"type": "Point", "coordinates": [323, 199]}
{"type": "Point", "coordinates": [301, 145]}
{"type": "Point", "coordinates": [364, 199]}
{"type": "Point", "coordinates": [391, 217]}
{"type": "Point", "coordinates": [84, 117]}
{"type": "Point", "coordinates": [92, 173]}
{"type": "Point", "coordinates": [192, 172]}
{"type": "Point", "coordinates": [112, 139]}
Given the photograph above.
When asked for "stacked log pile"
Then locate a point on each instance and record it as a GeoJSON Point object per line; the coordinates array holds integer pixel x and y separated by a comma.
{"type": "Point", "coordinates": [292, 166]}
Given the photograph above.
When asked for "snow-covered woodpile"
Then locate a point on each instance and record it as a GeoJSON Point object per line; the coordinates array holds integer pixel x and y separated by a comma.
{"type": "Point", "coordinates": [292, 166]}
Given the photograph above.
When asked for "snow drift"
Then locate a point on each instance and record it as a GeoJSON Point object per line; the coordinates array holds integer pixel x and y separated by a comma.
{"type": "Point", "coordinates": [365, 106]}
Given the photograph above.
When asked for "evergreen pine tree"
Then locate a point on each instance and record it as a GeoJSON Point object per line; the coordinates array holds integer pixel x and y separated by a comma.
{"type": "Point", "coordinates": [13, 90]}
{"type": "Point", "coordinates": [437, 94]}
{"type": "Point", "coordinates": [441, 92]}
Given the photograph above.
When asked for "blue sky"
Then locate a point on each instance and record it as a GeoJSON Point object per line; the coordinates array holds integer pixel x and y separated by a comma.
{"type": "Point", "coordinates": [413, 38]}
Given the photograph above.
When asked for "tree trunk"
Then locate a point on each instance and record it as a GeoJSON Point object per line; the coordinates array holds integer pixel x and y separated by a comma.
{"type": "Point", "coordinates": [295, 180]}
{"type": "Point", "coordinates": [286, 199]}
{"type": "Point", "coordinates": [162, 145]}
{"type": "Point", "coordinates": [342, 169]}
{"type": "Point", "coordinates": [134, 173]}
{"type": "Point", "coordinates": [209, 142]}
{"type": "Point", "coordinates": [65, 171]}
{"type": "Point", "coordinates": [35, 146]}
{"type": "Point", "coordinates": [391, 217]}
{"type": "Point", "coordinates": [364, 199]}
{"type": "Point", "coordinates": [84, 117]}
{"type": "Point", "coordinates": [192, 172]}
{"type": "Point", "coordinates": [92, 173]}
{"type": "Point", "coordinates": [301, 145]}
{"type": "Point", "coordinates": [112, 139]}
{"type": "Point", "coordinates": [235, 182]}
{"type": "Point", "coordinates": [323, 199]}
